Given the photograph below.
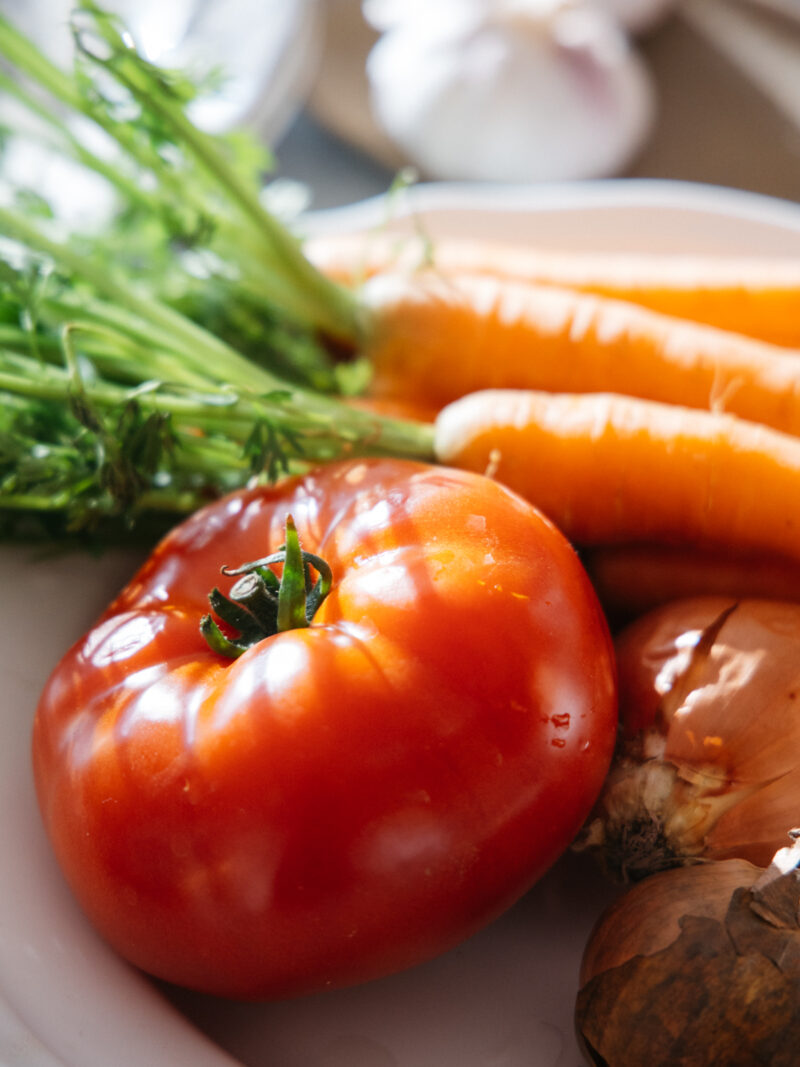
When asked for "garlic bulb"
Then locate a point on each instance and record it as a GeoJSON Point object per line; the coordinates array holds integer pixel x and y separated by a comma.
{"type": "Point", "coordinates": [507, 90]}
{"type": "Point", "coordinates": [708, 763]}
{"type": "Point", "coordinates": [697, 966]}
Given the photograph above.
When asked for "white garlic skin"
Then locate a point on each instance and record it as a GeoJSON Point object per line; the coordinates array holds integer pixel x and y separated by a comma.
{"type": "Point", "coordinates": [510, 91]}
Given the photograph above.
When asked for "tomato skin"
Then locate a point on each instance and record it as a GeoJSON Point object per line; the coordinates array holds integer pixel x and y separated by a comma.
{"type": "Point", "coordinates": [345, 800]}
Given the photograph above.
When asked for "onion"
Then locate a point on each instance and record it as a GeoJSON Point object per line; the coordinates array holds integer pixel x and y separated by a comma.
{"type": "Point", "coordinates": [708, 760]}
{"type": "Point", "coordinates": [697, 966]}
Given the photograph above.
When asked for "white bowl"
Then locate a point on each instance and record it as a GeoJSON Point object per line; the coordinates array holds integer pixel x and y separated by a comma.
{"type": "Point", "coordinates": [504, 998]}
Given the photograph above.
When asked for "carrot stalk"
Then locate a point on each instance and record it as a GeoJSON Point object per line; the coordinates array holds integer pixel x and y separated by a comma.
{"type": "Point", "coordinates": [608, 469]}
{"type": "Point", "coordinates": [437, 339]}
{"type": "Point", "coordinates": [753, 295]}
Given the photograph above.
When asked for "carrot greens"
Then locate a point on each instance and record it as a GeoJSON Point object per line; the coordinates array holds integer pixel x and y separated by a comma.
{"type": "Point", "coordinates": [182, 344]}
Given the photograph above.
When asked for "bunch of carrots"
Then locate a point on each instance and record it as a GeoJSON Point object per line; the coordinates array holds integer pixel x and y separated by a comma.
{"type": "Point", "coordinates": [649, 405]}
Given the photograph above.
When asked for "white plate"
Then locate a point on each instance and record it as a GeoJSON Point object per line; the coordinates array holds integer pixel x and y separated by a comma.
{"type": "Point", "coordinates": [503, 999]}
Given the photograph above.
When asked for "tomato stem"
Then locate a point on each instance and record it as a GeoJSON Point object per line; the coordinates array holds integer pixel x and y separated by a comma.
{"type": "Point", "coordinates": [260, 604]}
{"type": "Point", "coordinates": [292, 592]}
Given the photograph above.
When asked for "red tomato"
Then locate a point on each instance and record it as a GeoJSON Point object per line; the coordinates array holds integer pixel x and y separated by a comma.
{"type": "Point", "coordinates": [344, 800]}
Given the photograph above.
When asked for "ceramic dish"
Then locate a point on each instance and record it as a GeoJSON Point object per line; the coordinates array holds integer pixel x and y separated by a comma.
{"type": "Point", "coordinates": [504, 998]}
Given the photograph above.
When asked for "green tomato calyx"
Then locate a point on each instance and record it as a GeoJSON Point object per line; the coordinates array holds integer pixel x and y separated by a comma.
{"type": "Point", "coordinates": [261, 604]}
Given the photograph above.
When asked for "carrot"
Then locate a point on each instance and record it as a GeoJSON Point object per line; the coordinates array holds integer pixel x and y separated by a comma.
{"type": "Point", "coordinates": [633, 578]}
{"type": "Point", "coordinates": [435, 340]}
{"type": "Point", "coordinates": [755, 296]}
{"type": "Point", "coordinates": [609, 469]}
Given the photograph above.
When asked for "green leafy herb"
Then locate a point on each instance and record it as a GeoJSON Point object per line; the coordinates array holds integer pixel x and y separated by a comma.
{"type": "Point", "coordinates": [183, 347]}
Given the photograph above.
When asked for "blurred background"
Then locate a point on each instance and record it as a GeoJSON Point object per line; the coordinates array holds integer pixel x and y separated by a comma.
{"type": "Point", "coordinates": [350, 92]}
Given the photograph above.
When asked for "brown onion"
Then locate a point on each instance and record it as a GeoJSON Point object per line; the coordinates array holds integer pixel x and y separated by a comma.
{"type": "Point", "coordinates": [697, 966]}
{"type": "Point", "coordinates": [708, 763]}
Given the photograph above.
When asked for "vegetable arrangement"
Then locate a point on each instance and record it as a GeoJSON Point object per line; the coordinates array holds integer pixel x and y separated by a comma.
{"type": "Point", "coordinates": [397, 707]}
{"type": "Point", "coordinates": [698, 962]}
{"type": "Point", "coordinates": [214, 352]}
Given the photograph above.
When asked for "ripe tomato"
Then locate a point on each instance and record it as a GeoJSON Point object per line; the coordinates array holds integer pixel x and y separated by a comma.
{"type": "Point", "coordinates": [346, 799]}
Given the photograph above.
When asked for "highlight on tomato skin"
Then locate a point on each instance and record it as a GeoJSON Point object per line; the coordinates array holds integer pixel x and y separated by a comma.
{"type": "Point", "coordinates": [344, 799]}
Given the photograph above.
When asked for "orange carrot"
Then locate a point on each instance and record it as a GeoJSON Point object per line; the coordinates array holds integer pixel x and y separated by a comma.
{"type": "Point", "coordinates": [633, 578]}
{"type": "Point", "coordinates": [756, 296]}
{"type": "Point", "coordinates": [436, 339]}
{"type": "Point", "coordinates": [610, 469]}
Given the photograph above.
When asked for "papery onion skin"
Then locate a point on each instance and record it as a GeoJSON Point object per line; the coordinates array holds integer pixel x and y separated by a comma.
{"type": "Point", "coordinates": [696, 966]}
{"type": "Point", "coordinates": [708, 763]}
{"type": "Point", "coordinates": [644, 920]}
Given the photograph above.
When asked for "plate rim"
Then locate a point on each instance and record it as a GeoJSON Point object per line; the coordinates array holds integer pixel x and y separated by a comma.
{"type": "Point", "coordinates": [619, 194]}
